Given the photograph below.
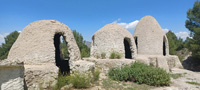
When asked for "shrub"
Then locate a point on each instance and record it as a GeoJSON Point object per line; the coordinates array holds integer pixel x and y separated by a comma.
{"type": "Point", "coordinates": [62, 80]}
{"type": "Point", "coordinates": [98, 56]}
{"type": "Point", "coordinates": [121, 74]}
{"type": "Point", "coordinates": [80, 80]}
{"type": "Point", "coordinates": [96, 75]}
{"type": "Point", "coordinates": [103, 55]}
{"type": "Point", "coordinates": [140, 73]}
{"type": "Point", "coordinates": [115, 55]}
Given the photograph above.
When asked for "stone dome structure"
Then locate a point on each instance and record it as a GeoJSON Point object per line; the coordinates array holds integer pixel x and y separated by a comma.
{"type": "Point", "coordinates": [38, 47]}
{"type": "Point", "coordinates": [149, 37]}
{"type": "Point", "coordinates": [113, 37]}
{"type": "Point", "coordinates": [152, 45]}
{"type": "Point", "coordinates": [39, 43]}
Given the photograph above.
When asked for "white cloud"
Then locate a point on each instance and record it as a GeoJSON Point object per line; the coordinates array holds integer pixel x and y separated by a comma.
{"type": "Point", "coordinates": [116, 20]}
{"type": "Point", "coordinates": [19, 31]}
{"type": "Point", "coordinates": [2, 36]}
{"type": "Point", "coordinates": [129, 26]}
{"type": "Point", "coordinates": [182, 35]}
{"type": "Point", "coordinates": [165, 30]}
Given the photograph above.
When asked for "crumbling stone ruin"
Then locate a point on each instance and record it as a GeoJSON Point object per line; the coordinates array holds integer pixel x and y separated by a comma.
{"type": "Point", "coordinates": [35, 58]}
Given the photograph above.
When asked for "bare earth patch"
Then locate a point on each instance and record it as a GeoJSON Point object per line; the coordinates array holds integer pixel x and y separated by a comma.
{"type": "Point", "coordinates": [181, 83]}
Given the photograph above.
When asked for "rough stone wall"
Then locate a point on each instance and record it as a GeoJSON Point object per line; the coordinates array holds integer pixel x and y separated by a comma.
{"type": "Point", "coordinates": [40, 76]}
{"type": "Point", "coordinates": [35, 44]}
{"type": "Point", "coordinates": [11, 76]}
{"type": "Point", "coordinates": [150, 37]}
{"type": "Point", "coordinates": [111, 38]}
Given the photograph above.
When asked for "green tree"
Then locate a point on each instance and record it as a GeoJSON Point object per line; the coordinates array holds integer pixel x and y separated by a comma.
{"type": "Point", "coordinates": [175, 43]}
{"type": "Point", "coordinates": [172, 42]}
{"type": "Point", "coordinates": [193, 24]}
{"type": "Point", "coordinates": [84, 49]}
{"type": "Point", "coordinates": [64, 49]}
{"type": "Point", "coordinates": [9, 41]}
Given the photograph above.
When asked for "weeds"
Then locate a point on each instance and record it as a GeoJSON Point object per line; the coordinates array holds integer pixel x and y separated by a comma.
{"type": "Point", "coordinates": [115, 55]}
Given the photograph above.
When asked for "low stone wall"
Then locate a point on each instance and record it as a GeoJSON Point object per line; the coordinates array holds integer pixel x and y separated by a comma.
{"type": "Point", "coordinates": [45, 75]}
{"type": "Point", "coordinates": [166, 62]}
{"type": "Point", "coordinates": [11, 76]}
{"type": "Point", "coordinates": [105, 64]}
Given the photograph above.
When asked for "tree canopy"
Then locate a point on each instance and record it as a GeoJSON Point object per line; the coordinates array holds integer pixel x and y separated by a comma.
{"type": "Point", "coordinates": [84, 49]}
{"type": "Point", "coordinates": [175, 43]}
{"type": "Point", "coordinates": [193, 25]}
{"type": "Point", "coordinates": [9, 41]}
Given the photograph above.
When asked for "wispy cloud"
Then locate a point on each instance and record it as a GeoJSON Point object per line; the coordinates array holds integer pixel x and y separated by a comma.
{"type": "Point", "coordinates": [128, 26]}
{"type": "Point", "coordinates": [132, 25]}
{"type": "Point", "coordinates": [165, 30]}
{"type": "Point", "coordinates": [2, 36]}
{"type": "Point", "coordinates": [182, 35]}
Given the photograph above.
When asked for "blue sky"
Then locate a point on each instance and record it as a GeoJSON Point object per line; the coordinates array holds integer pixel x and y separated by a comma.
{"type": "Point", "coordinates": [88, 16]}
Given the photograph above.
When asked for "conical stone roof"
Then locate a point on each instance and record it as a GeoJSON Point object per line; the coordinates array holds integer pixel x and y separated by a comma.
{"type": "Point", "coordinates": [110, 38]}
{"type": "Point", "coordinates": [35, 44]}
{"type": "Point", "coordinates": [150, 37]}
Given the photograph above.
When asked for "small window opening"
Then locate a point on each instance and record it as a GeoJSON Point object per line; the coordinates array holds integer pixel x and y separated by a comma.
{"type": "Point", "coordinates": [136, 42]}
{"type": "Point", "coordinates": [164, 46]}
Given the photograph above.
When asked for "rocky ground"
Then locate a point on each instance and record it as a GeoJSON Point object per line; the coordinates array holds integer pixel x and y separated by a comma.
{"type": "Point", "coordinates": [181, 79]}
{"type": "Point", "coordinates": [185, 80]}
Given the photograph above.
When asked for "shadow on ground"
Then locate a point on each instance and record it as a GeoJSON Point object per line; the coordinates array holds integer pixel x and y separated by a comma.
{"type": "Point", "coordinates": [193, 65]}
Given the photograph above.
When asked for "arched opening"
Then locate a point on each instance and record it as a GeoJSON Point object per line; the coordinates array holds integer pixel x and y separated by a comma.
{"type": "Point", "coordinates": [136, 42]}
{"type": "Point", "coordinates": [164, 46]}
{"type": "Point", "coordinates": [93, 43]}
{"type": "Point", "coordinates": [127, 48]}
{"type": "Point", "coordinates": [61, 62]}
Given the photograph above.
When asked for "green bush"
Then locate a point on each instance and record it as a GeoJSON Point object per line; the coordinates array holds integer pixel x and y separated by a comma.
{"type": "Point", "coordinates": [103, 55]}
{"type": "Point", "coordinates": [140, 73]}
{"type": "Point", "coordinates": [80, 80]}
{"type": "Point", "coordinates": [121, 74]}
{"type": "Point", "coordinates": [62, 80]}
{"type": "Point", "coordinates": [115, 55]}
{"type": "Point", "coordinates": [96, 75]}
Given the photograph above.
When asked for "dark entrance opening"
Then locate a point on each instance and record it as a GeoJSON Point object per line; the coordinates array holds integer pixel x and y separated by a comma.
{"type": "Point", "coordinates": [164, 46]}
{"type": "Point", "coordinates": [136, 42]}
{"type": "Point", "coordinates": [127, 48]}
{"type": "Point", "coordinates": [61, 63]}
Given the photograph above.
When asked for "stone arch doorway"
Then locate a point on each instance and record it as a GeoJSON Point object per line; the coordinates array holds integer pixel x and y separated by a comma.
{"type": "Point", "coordinates": [127, 48]}
{"type": "Point", "coordinates": [61, 62]}
{"type": "Point", "coordinates": [164, 46]}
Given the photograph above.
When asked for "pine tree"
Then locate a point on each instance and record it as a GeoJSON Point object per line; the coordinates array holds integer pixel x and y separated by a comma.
{"type": "Point", "coordinates": [193, 24]}
{"type": "Point", "coordinates": [9, 41]}
{"type": "Point", "coordinates": [175, 43]}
